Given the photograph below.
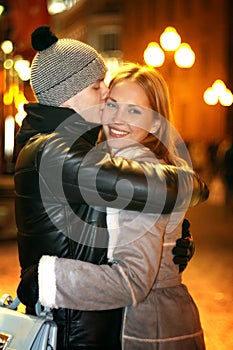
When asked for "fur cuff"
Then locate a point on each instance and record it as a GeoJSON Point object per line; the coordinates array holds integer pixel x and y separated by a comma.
{"type": "Point", "coordinates": [47, 281]}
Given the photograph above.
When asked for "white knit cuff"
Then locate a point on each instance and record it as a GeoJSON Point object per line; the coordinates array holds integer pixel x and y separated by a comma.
{"type": "Point", "coordinates": [47, 281]}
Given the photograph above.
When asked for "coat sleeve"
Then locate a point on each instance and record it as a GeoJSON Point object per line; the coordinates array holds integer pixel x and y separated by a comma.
{"type": "Point", "coordinates": [85, 174]}
{"type": "Point", "coordinates": [155, 188]}
{"type": "Point", "coordinates": [79, 285]}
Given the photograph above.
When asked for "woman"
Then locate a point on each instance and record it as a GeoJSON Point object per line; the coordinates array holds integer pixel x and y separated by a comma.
{"type": "Point", "coordinates": [159, 312]}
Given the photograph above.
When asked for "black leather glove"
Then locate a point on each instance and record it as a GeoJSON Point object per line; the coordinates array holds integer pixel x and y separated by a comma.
{"type": "Point", "coordinates": [184, 248]}
{"type": "Point", "coordinates": [28, 288]}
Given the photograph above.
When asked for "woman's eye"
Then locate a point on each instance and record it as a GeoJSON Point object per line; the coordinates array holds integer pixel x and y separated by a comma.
{"type": "Point", "coordinates": [111, 104]}
{"type": "Point", "coordinates": [134, 111]}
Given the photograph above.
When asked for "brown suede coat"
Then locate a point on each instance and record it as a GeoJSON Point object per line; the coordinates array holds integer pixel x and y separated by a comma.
{"type": "Point", "coordinates": [159, 313]}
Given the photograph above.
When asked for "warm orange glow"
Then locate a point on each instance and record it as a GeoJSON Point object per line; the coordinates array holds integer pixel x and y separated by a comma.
{"type": "Point", "coordinates": [23, 69]}
{"type": "Point", "coordinates": [154, 55]}
{"type": "Point", "coordinates": [218, 92]}
{"type": "Point", "coordinates": [210, 97]}
{"type": "Point", "coordinates": [170, 40]}
{"type": "Point", "coordinates": [113, 64]}
{"type": "Point", "coordinates": [14, 88]}
{"type": "Point", "coordinates": [19, 98]}
{"type": "Point", "coordinates": [184, 56]}
{"type": "Point", "coordinates": [9, 137]}
{"type": "Point", "coordinates": [7, 47]}
{"type": "Point", "coordinates": [108, 77]}
{"type": "Point", "coordinates": [226, 99]}
{"type": "Point", "coordinates": [8, 63]}
{"type": "Point", "coordinates": [219, 86]}
{"type": "Point", "coordinates": [19, 117]}
{"type": "Point", "coordinates": [2, 8]}
{"type": "Point", "coordinates": [8, 98]}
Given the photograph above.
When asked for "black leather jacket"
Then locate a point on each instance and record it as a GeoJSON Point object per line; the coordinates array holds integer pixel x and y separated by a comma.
{"type": "Point", "coordinates": [53, 218]}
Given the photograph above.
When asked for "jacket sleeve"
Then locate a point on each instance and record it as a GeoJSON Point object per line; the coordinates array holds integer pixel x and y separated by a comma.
{"type": "Point", "coordinates": [143, 186]}
{"type": "Point", "coordinates": [79, 285]}
{"type": "Point", "coordinates": [85, 174]}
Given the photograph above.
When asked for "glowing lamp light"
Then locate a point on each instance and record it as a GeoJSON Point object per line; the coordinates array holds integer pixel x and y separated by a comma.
{"type": "Point", "coordinates": [2, 8]}
{"type": "Point", "coordinates": [19, 117]}
{"type": "Point", "coordinates": [9, 136]}
{"type": "Point", "coordinates": [154, 55]}
{"type": "Point", "coordinates": [14, 89]}
{"type": "Point", "coordinates": [25, 74]}
{"type": "Point", "coordinates": [19, 98]}
{"type": "Point", "coordinates": [219, 86]}
{"type": "Point", "coordinates": [56, 6]}
{"type": "Point", "coordinates": [23, 69]}
{"type": "Point", "coordinates": [226, 98]}
{"type": "Point", "coordinates": [210, 97]}
{"type": "Point", "coordinates": [21, 106]}
{"type": "Point", "coordinates": [7, 47]}
{"type": "Point", "coordinates": [218, 92]}
{"type": "Point", "coordinates": [8, 63]}
{"type": "Point", "coordinates": [21, 65]}
{"type": "Point", "coordinates": [170, 40]}
{"type": "Point", "coordinates": [8, 98]}
{"type": "Point", "coordinates": [184, 56]}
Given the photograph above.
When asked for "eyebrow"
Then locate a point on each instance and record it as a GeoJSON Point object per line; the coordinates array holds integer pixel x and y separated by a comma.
{"type": "Point", "coordinates": [129, 104]}
{"type": "Point", "coordinates": [133, 105]}
{"type": "Point", "coordinates": [111, 98]}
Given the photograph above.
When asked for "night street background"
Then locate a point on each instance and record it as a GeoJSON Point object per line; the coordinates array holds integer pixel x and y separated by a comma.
{"type": "Point", "coordinates": [122, 31]}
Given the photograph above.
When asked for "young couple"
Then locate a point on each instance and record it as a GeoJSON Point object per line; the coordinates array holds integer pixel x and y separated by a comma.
{"type": "Point", "coordinates": [108, 274]}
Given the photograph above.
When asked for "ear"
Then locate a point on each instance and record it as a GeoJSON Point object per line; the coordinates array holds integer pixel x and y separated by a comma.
{"type": "Point", "coordinates": [155, 127]}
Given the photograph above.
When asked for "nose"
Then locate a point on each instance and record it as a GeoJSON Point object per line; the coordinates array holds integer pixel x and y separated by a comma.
{"type": "Point", "coordinates": [118, 115]}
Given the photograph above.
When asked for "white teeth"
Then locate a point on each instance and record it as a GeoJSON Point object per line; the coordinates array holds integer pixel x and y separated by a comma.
{"type": "Point", "coordinates": [118, 132]}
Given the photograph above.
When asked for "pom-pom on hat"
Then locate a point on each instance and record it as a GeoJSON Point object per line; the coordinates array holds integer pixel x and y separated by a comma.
{"type": "Point", "coordinates": [62, 67]}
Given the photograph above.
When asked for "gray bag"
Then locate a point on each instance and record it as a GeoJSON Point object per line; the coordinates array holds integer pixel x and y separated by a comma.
{"type": "Point", "coordinates": [19, 331]}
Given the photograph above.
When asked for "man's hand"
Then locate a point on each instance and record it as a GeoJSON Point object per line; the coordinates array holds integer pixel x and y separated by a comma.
{"type": "Point", "coordinates": [184, 248]}
{"type": "Point", "coordinates": [28, 288]}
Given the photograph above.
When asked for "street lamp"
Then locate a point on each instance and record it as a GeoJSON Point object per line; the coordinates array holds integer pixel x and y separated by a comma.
{"type": "Point", "coordinates": [184, 56]}
{"type": "Point", "coordinates": [170, 40]}
{"type": "Point", "coordinates": [218, 92]}
{"type": "Point", "coordinates": [154, 55]}
{"type": "Point", "coordinates": [7, 47]}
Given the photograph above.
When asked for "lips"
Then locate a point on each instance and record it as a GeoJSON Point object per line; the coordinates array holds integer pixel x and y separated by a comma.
{"type": "Point", "coordinates": [114, 132]}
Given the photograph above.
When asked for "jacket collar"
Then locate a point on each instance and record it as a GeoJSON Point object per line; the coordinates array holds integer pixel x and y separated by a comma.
{"type": "Point", "coordinates": [42, 119]}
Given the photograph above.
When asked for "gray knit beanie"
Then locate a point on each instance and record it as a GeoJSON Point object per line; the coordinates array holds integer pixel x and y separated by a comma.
{"type": "Point", "coordinates": [62, 67]}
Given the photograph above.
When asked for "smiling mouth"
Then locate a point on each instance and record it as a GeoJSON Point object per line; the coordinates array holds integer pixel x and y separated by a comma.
{"type": "Point", "coordinates": [117, 133]}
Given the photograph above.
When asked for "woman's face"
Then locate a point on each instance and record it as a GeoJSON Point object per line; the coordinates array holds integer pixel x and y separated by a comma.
{"type": "Point", "coordinates": [127, 115]}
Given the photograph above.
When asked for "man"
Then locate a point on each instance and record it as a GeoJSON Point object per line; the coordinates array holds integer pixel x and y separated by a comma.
{"type": "Point", "coordinates": [55, 215]}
